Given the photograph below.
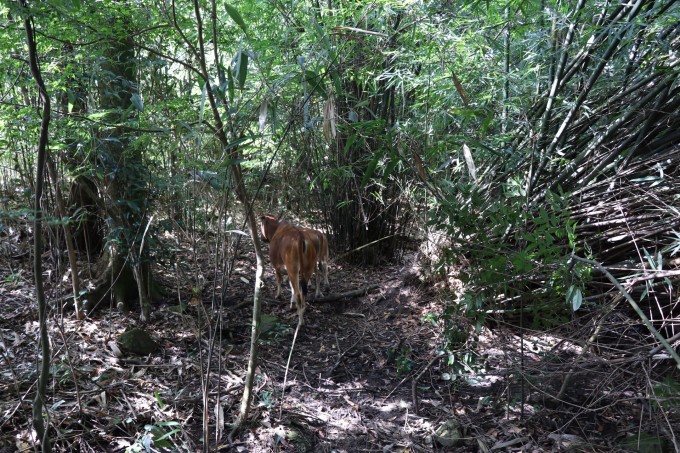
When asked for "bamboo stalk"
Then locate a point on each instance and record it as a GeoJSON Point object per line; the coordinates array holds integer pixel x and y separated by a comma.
{"type": "Point", "coordinates": [635, 307]}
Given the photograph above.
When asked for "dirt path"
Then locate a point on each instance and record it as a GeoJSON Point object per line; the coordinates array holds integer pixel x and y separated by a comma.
{"type": "Point", "coordinates": [351, 378]}
{"type": "Point", "coordinates": [350, 385]}
{"type": "Point", "coordinates": [366, 375]}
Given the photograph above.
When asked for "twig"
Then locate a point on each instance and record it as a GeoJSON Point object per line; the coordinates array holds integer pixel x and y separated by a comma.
{"type": "Point", "coordinates": [336, 297]}
{"type": "Point", "coordinates": [586, 349]}
{"type": "Point", "coordinates": [69, 362]}
{"type": "Point", "coordinates": [285, 375]}
{"type": "Point", "coordinates": [655, 275]}
{"type": "Point", "coordinates": [321, 300]}
{"type": "Point", "coordinates": [346, 351]}
{"type": "Point", "coordinates": [337, 258]}
{"type": "Point", "coordinates": [510, 443]}
{"type": "Point", "coordinates": [414, 397]}
{"type": "Point", "coordinates": [658, 348]}
{"type": "Point", "coordinates": [635, 306]}
{"type": "Point", "coordinates": [425, 368]}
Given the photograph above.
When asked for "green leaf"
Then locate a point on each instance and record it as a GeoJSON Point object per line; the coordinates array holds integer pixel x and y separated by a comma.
{"type": "Point", "coordinates": [262, 117]}
{"type": "Point", "coordinates": [159, 401]}
{"type": "Point", "coordinates": [230, 80]}
{"type": "Point", "coordinates": [392, 164]}
{"type": "Point", "coordinates": [137, 102]}
{"type": "Point", "coordinates": [350, 142]}
{"type": "Point", "coordinates": [71, 101]}
{"type": "Point", "coordinates": [370, 169]}
{"type": "Point", "coordinates": [315, 81]}
{"type": "Point", "coordinates": [230, 162]}
{"type": "Point", "coordinates": [70, 5]}
{"type": "Point", "coordinates": [204, 94]}
{"type": "Point", "coordinates": [236, 17]}
{"type": "Point", "coordinates": [331, 52]}
{"type": "Point", "coordinates": [242, 69]}
{"type": "Point", "coordinates": [168, 423]}
{"type": "Point", "coordinates": [574, 297]}
{"type": "Point", "coordinates": [97, 116]}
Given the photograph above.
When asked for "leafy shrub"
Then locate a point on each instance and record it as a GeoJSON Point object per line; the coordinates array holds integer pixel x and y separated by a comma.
{"type": "Point", "coordinates": [516, 262]}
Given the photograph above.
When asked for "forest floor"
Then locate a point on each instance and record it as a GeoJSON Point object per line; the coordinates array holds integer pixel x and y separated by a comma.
{"type": "Point", "coordinates": [367, 373]}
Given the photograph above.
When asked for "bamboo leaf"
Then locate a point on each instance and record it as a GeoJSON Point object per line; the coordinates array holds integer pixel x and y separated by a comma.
{"type": "Point", "coordinates": [316, 83]}
{"type": "Point", "coordinates": [329, 126]}
{"type": "Point", "coordinates": [370, 169]}
{"type": "Point", "coordinates": [574, 297]}
{"type": "Point", "coordinates": [230, 83]}
{"type": "Point", "coordinates": [262, 120]}
{"type": "Point", "coordinates": [236, 17]}
{"type": "Point", "coordinates": [331, 52]}
{"type": "Point", "coordinates": [137, 102]}
{"type": "Point", "coordinates": [470, 163]}
{"type": "Point", "coordinates": [242, 69]}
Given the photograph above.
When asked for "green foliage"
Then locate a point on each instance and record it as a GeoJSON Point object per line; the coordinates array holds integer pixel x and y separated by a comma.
{"type": "Point", "coordinates": [236, 17]}
{"type": "Point", "coordinates": [667, 394]}
{"type": "Point", "coordinates": [402, 356]}
{"type": "Point", "coordinates": [158, 435]}
{"type": "Point", "coordinates": [514, 256]}
{"type": "Point", "coordinates": [265, 399]}
{"type": "Point", "coordinates": [646, 443]}
{"type": "Point", "coordinates": [408, 85]}
{"type": "Point", "coordinates": [15, 279]}
{"type": "Point", "coordinates": [272, 329]}
{"type": "Point", "coordinates": [61, 370]}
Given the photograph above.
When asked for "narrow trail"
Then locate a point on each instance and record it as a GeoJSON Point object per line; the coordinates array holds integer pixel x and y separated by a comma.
{"type": "Point", "coordinates": [351, 378]}
{"type": "Point", "coordinates": [367, 373]}
{"type": "Point", "coordinates": [349, 387]}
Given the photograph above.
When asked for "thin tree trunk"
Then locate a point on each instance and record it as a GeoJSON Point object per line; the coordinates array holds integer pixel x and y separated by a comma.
{"type": "Point", "coordinates": [506, 72]}
{"type": "Point", "coordinates": [556, 83]}
{"type": "Point", "coordinates": [241, 195]}
{"type": "Point", "coordinates": [39, 402]}
{"type": "Point", "coordinates": [68, 235]}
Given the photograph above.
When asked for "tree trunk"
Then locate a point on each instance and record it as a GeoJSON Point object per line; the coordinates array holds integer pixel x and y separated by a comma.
{"type": "Point", "coordinates": [125, 185]}
{"type": "Point", "coordinates": [68, 236]}
{"type": "Point", "coordinates": [44, 372]}
{"type": "Point", "coordinates": [241, 194]}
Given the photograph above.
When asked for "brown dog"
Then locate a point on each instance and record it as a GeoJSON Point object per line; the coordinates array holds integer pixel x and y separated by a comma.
{"type": "Point", "coordinates": [291, 251]}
